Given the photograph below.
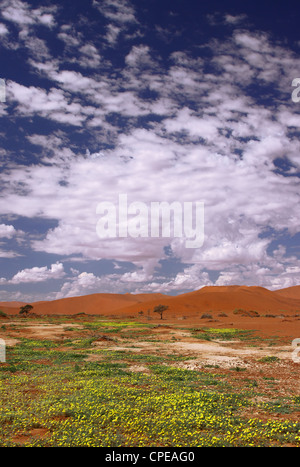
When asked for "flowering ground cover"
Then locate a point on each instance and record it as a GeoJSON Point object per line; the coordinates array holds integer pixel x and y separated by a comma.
{"type": "Point", "coordinates": [84, 390]}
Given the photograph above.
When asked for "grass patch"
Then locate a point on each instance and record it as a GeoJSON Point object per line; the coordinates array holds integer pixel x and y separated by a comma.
{"type": "Point", "coordinates": [114, 324]}
{"type": "Point", "coordinates": [225, 334]}
{"type": "Point", "coordinates": [269, 359]}
{"type": "Point", "coordinates": [29, 351]}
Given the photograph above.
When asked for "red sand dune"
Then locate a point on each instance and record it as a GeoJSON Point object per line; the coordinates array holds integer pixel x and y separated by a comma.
{"type": "Point", "coordinates": [290, 292]}
{"type": "Point", "coordinates": [225, 298]}
{"type": "Point", "coordinates": [96, 304]}
{"type": "Point", "coordinates": [12, 304]}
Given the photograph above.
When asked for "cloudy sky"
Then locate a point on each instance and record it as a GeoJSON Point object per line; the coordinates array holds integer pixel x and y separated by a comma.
{"type": "Point", "coordinates": [160, 101]}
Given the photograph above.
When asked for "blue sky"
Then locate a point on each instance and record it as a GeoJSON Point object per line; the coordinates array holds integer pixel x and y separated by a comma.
{"type": "Point", "coordinates": [161, 101]}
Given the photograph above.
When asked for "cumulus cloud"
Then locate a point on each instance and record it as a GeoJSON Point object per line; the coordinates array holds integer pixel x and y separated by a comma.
{"type": "Point", "coordinates": [3, 29]}
{"type": "Point", "coordinates": [38, 274]}
{"type": "Point", "coordinates": [119, 14]}
{"type": "Point", "coordinates": [7, 231]}
{"type": "Point", "coordinates": [53, 104]}
{"type": "Point", "coordinates": [185, 129]}
{"type": "Point", "coordinates": [22, 14]}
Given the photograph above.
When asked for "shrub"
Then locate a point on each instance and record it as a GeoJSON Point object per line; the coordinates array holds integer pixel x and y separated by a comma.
{"type": "Point", "coordinates": [24, 310]}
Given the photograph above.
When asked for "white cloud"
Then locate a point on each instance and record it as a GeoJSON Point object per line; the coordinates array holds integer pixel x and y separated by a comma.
{"type": "Point", "coordinates": [206, 128]}
{"type": "Point", "coordinates": [139, 56]}
{"type": "Point", "coordinates": [241, 196]}
{"type": "Point", "coordinates": [7, 231]}
{"type": "Point", "coordinates": [119, 11]}
{"type": "Point", "coordinates": [235, 19]}
{"type": "Point", "coordinates": [22, 14]}
{"type": "Point", "coordinates": [53, 104]}
{"type": "Point", "coordinates": [83, 284]}
{"type": "Point", "coordinates": [214, 143]}
{"type": "Point", "coordinates": [119, 14]}
{"type": "Point", "coordinates": [8, 254]}
{"type": "Point", "coordinates": [251, 41]}
{"type": "Point", "coordinates": [89, 57]}
{"type": "Point", "coordinates": [112, 34]}
{"type": "Point", "coordinates": [37, 48]}
{"type": "Point", "coordinates": [38, 274]}
{"type": "Point", "coordinates": [3, 29]}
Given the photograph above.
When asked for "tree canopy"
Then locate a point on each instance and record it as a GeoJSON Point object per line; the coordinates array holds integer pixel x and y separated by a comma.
{"type": "Point", "coordinates": [25, 309]}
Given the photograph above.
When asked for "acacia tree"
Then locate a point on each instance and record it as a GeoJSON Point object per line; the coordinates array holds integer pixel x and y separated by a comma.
{"type": "Point", "coordinates": [160, 309]}
{"type": "Point", "coordinates": [24, 310]}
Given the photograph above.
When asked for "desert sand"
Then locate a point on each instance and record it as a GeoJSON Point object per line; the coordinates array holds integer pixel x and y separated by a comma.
{"type": "Point", "coordinates": [268, 312]}
{"type": "Point", "coordinates": [128, 325]}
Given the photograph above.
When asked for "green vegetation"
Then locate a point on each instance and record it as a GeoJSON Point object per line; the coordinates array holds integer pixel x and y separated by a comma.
{"type": "Point", "coordinates": [24, 310]}
{"type": "Point", "coordinates": [71, 392]}
{"type": "Point", "coordinates": [269, 359]}
{"type": "Point", "coordinates": [222, 334]}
